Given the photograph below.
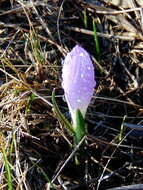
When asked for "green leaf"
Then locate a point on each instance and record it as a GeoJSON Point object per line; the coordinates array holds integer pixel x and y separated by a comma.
{"type": "Point", "coordinates": [96, 41]}
{"type": "Point", "coordinates": [30, 102]}
{"type": "Point", "coordinates": [8, 171]}
{"type": "Point", "coordinates": [120, 136]}
{"type": "Point", "coordinates": [85, 18]}
{"type": "Point", "coordinates": [80, 129]}
{"type": "Point", "coordinates": [60, 116]}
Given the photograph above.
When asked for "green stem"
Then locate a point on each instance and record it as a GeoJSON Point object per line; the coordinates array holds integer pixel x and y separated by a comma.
{"type": "Point", "coordinates": [79, 126]}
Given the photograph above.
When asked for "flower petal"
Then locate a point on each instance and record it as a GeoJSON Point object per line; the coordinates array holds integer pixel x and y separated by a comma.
{"type": "Point", "coordinates": [78, 79]}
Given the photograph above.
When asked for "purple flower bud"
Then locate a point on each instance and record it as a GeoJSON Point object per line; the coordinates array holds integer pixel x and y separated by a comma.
{"type": "Point", "coordinates": [78, 80]}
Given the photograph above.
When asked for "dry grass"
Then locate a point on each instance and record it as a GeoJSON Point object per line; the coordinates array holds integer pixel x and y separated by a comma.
{"type": "Point", "coordinates": [36, 151]}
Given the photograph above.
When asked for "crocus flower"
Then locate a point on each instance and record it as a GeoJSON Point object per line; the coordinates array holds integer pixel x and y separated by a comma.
{"type": "Point", "coordinates": [78, 80]}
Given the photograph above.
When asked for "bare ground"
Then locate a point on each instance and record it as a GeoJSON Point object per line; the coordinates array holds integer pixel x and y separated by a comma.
{"type": "Point", "coordinates": [34, 38]}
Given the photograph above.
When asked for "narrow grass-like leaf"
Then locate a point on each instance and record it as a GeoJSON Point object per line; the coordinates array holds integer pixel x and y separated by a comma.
{"type": "Point", "coordinates": [36, 47]}
{"type": "Point", "coordinates": [8, 171]}
{"type": "Point", "coordinates": [85, 18]}
{"type": "Point", "coordinates": [96, 41]}
{"type": "Point", "coordinates": [6, 61]}
{"type": "Point", "coordinates": [60, 116]}
{"type": "Point", "coordinates": [11, 146]}
{"type": "Point", "coordinates": [122, 129]}
{"type": "Point", "coordinates": [30, 101]}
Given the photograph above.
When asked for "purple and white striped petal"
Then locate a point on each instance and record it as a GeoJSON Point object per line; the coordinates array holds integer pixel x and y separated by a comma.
{"type": "Point", "coordinates": [78, 80]}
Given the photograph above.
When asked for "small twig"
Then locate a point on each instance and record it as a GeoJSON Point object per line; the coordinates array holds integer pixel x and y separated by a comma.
{"type": "Point", "coordinates": [102, 175]}
{"type": "Point", "coordinates": [133, 126]}
{"type": "Point", "coordinates": [109, 11]}
{"type": "Point", "coordinates": [11, 76]}
{"type": "Point", "coordinates": [68, 159]}
{"type": "Point", "coordinates": [58, 22]}
{"type": "Point", "coordinates": [41, 21]}
{"type": "Point", "coordinates": [27, 5]}
{"type": "Point", "coordinates": [88, 32]}
{"type": "Point", "coordinates": [43, 99]}
{"type": "Point", "coordinates": [10, 42]}
{"type": "Point", "coordinates": [116, 100]}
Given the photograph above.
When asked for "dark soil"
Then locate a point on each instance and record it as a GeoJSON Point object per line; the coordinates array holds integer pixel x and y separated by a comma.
{"type": "Point", "coordinates": [35, 36]}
